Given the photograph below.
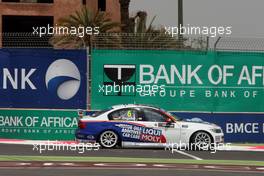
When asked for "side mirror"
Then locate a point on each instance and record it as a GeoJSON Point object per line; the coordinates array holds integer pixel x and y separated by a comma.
{"type": "Point", "coordinates": [169, 123]}
{"type": "Point", "coordinates": [168, 120]}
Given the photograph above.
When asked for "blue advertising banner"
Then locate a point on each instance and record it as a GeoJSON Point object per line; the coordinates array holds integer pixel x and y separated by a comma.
{"type": "Point", "coordinates": [43, 78]}
{"type": "Point", "coordinates": [236, 127]}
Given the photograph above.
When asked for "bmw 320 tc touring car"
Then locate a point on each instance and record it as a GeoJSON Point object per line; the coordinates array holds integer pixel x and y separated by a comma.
{"type": "Point", "coordinates": [144, 126]}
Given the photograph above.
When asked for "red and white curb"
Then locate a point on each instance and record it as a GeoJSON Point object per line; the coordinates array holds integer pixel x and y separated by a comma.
{"type": "Point", "coordinates": [242, 148]}
{"type": "Point", "coordinates": [207, 167]}
{"type": "Point", "coordinates": [43, 142]}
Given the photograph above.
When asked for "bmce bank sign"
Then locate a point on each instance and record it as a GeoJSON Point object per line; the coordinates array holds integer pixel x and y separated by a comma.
{"type": "Point", "coordinates": [43, 78]}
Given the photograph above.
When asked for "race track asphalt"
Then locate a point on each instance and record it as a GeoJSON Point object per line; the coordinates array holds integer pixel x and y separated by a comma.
{"type": "Point", "coordinates": [10, 149]}
{"type": "Point", "coordinates": [27, 150]}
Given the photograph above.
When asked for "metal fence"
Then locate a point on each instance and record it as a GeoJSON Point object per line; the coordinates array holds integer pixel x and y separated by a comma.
{"type": "Point", "coordinates": [239, 44]}
{"type": "Point", "coordinates": [139, 41]}
{"type": "Point", "coordinates": [121, 41]}
{"type": "Point", "coordinates": [24, 40]}
{"type": "Point", "coordinates": [158, 41]}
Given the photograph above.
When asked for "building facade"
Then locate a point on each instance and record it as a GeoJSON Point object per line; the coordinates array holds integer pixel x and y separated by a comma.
{"type": "Point", "coordinates": [20, 15]}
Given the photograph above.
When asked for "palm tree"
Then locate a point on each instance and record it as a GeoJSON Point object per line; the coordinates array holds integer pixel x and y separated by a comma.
{"type": "Point", "coordinates": [152, 38]}
{"type": "Point", "coordinates": [124, 10]}
{"type": "Point", "coordinates": [83, 18]}
{"type": "Point", "coordinates": [145, 37]}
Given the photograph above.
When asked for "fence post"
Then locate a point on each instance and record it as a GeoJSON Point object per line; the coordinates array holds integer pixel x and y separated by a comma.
{"type": "Point", "coordinates": [88, 77]}
{"type": "Point", "coordinates": [217, 41]}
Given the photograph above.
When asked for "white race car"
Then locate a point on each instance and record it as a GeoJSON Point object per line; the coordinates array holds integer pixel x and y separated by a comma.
{"type": "Point", "coordinates": [145, 126]}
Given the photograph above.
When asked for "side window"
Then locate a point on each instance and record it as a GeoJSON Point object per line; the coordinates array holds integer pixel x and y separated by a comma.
{"type": "Point", "coordinates": [123, 114]}
{"type": "Point", "coordinates": [152, 115]}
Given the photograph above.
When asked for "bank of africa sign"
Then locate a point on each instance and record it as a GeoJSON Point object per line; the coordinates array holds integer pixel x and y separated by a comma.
{"type": "Point", "coordinates": [229, 82]}
{"type": "Point", "coordinates": [38, 78]}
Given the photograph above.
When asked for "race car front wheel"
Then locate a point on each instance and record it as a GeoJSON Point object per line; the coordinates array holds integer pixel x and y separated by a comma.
{"type": "Point", "coordinates": [108, 139]}
{"type": "Point", "coordinates": [201, 140]}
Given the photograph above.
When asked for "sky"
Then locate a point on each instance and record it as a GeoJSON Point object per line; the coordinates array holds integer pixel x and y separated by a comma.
{"type": "Point", "coordinates": [245, 16]}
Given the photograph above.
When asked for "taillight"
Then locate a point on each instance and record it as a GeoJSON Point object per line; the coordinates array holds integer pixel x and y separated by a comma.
{"type": "Point", "coordinates": [81, 124]}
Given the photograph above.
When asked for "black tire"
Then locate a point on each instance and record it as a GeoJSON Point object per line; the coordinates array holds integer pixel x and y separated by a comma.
{"type": "Point", "coordinates": [201, 140]}
{"type": "Point", "coordinates": [108, 139]}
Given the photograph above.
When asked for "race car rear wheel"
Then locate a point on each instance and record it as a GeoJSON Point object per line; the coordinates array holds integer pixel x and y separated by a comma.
{"type": "Point", "coordinates": [108, 139]}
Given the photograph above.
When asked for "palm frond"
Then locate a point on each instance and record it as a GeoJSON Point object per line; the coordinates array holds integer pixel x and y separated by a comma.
{"type": "Point", "coordinates": [83, 18]}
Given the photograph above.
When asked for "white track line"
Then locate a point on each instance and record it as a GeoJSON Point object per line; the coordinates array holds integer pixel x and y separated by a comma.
{"type": "Point", "coordinates": [187, 154]}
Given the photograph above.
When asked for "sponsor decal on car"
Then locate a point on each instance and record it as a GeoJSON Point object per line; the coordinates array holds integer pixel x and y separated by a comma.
{"type": "Point", "coordinates": [141, 133]}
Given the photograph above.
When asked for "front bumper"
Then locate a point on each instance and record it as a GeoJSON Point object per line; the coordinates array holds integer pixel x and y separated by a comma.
{"type": "Point", "coordinates": [219, 138]}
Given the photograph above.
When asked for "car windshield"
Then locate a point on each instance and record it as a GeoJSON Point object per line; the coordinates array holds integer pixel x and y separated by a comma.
{"type": "Point", "coordinates": [97, 113]}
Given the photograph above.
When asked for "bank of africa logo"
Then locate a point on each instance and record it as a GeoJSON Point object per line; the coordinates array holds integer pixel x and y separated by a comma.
{"type": "Point", "coordinates": [120, 75]}
{"type": "Point", "coordinates": [63, 79]}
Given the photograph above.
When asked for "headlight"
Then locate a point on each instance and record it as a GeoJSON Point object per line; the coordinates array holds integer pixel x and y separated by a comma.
{"type": "Point", "coordinates": [216, 130]}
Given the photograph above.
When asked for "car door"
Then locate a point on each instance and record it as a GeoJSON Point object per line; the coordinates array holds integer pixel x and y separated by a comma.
{"type": "Point", "coordinates": [156, 119]}
{"type": "Point", "coordinates": [124, 121]}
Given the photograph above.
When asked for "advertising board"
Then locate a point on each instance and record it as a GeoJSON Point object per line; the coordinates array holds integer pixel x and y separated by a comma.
{"type": "Point", "coordinates": [43, 78]}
